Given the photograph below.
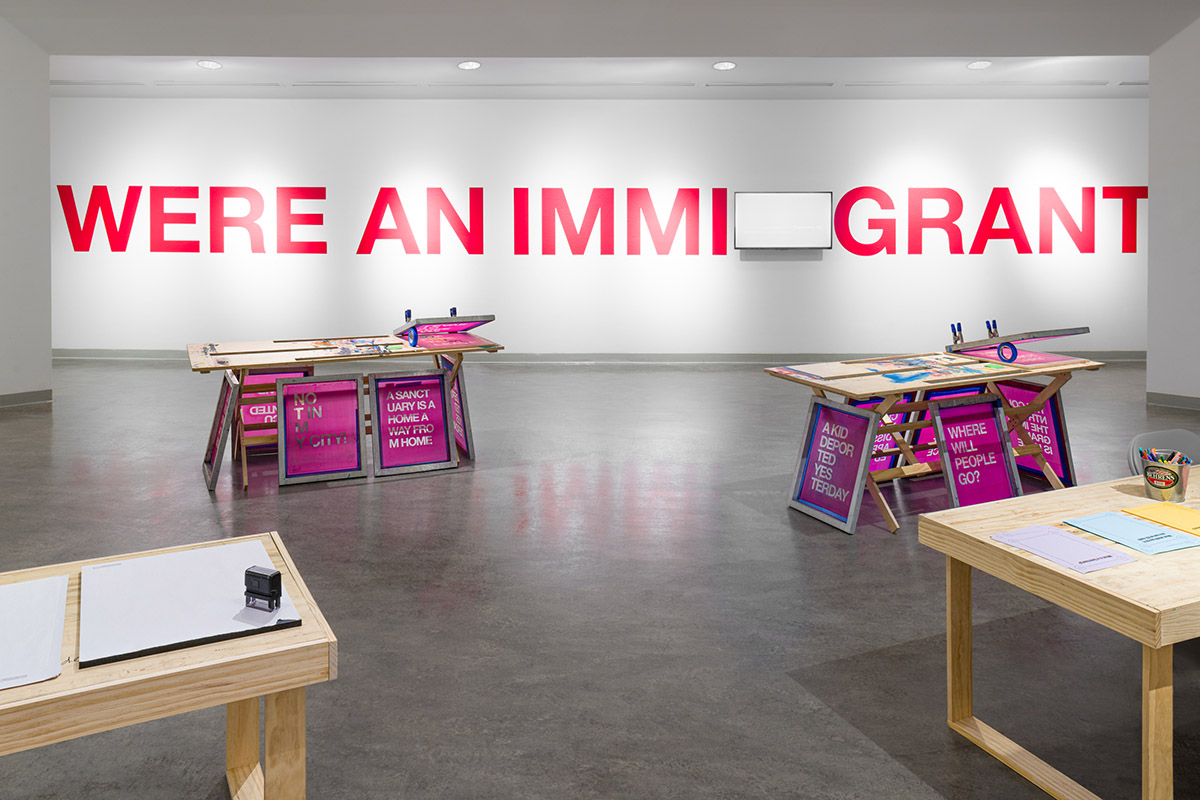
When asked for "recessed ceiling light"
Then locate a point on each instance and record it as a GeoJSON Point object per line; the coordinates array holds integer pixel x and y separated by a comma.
{"type": "Point", "coordinates": [469, 65]}
{"type": "Point", "coordinates": [982, 64]}
{"type": "Point", "coordinates": [208, 63]}
{"type": "Point", "coordinates": [724, 65]}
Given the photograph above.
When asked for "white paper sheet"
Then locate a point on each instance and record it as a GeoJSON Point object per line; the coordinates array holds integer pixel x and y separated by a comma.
{"type": "Point", "coordinates": [1063, 547]}
{"type": "Point", "coordinates": [31, 630]}
{"type": "Point", "coordinates": [164, 602]}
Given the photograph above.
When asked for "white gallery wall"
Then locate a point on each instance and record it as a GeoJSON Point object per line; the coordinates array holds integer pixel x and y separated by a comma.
{"type": "Point", "coordinates": [1173, 363]}
{"type": "Point", "coordinates": [831, 301]}
{"type": "Point", "coordinates": [24, 220]}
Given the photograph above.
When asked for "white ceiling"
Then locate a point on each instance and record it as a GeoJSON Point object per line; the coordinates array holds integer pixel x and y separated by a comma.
{"type": "Point", "coordinates": [600, 48]}
{"type": "Point", "coordinates": [600, 28]}
{"type": "Point", "coordinates": [587, 78]}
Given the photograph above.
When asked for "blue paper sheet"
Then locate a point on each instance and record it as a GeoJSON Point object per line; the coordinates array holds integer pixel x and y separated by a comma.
{"type": "Point", "coordinates": [1143, 536]}
{"type": "Point", "coordinates": [905, 377]}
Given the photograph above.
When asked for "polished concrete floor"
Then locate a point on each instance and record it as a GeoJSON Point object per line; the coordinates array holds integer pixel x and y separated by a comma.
{"type": "Point", "coordinates": [614, 601]}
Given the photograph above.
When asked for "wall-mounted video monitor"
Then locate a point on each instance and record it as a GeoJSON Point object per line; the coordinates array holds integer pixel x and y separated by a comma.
{"type": "Point", "coordinates": [782, 220]}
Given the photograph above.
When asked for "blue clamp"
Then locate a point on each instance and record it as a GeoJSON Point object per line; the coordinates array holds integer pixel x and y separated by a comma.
{"type": "Point", "coordinates": [453, 311]}
{"type": "Point", "coordinates": [408, 315]}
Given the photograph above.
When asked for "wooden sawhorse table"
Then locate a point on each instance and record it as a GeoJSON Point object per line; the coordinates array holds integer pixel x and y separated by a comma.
{"type": "Point", "coordinates": [883, 384]}
{"type": "Point", "coordinates": [1154, 601]}
{"type": "Point", "coordinates": [275, 666]}
{"type": "Point", "coordinates": [283, 355]}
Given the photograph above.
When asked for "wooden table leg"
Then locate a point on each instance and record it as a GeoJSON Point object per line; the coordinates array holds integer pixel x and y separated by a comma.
{"type": "Point", "coordinates": [910, 455]}
{"type": "Point", "coordinates": [245, 471]}
{"type": "Point", "coordinates": [960, 713]}
{"type": "Point", "coordinates": [242, 769]}
{"type": "Point", "coordinates": [959, 690]}
{"type": "Point", "coordinates": [889, 518]}
{"type": "Point", "coordinates": [285, 745]}
{"type": "Point", "coordinates": [1158, 764]}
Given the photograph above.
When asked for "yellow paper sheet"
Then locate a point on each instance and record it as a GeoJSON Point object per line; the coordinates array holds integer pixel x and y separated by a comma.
{"type": "Point", "coordinates": [1170, 514]}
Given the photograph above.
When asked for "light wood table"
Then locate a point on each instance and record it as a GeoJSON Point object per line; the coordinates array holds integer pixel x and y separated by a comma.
{"type": "Point", "coordinates": [899, 385]}
{"type": "Point", "coordinates": [276, 666]}
{"type": "Point", "coordinates": [1155, 601]}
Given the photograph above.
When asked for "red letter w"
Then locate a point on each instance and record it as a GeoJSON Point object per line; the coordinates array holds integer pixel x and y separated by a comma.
{"type": "Point", "coordinates": [99, 204]}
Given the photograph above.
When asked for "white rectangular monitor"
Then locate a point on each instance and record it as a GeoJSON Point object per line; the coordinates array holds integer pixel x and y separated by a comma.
{"type": "Point", "coordinates": [782, 220]}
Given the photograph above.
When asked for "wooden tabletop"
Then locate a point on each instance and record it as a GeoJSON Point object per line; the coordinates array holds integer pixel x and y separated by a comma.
{"type": "Point", "coordinates": [84, 701]}
{"type": "Point", "coordinates": [874, 377]}
{"type": "Point", "coordinates": [211, 356]}
{"type": "Point", "coordinates": [1155, 600]}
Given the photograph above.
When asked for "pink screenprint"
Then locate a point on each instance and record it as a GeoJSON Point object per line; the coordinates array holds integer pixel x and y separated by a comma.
{"type": "Point", "coordinates": [218, 429]}
{"type": "Point", "coordinates": [264, 410]}
{"type": "Point", "coordinates": [1024, 357]}
{"type": "Point", "coordinates": [411, 421]}
{"type": "Point", "coordinates": [446, 341]}
{"type": "Point", "coordinates": [977, 453]}
{"type": "Point", "coordinates": [456, 411]}
{"type": "Point", "coordinates": [1042, 426]}
{"type": "Point", "coordinates": [832, 460]}
{"type": "Point", "coordinates": [446, 327]}
{"type": "Point", "coordinates": [929, 435]}
{"type": "Point", "coordinates": [321, 424]}
{"type": "Point", "coordinates": [884, 441]}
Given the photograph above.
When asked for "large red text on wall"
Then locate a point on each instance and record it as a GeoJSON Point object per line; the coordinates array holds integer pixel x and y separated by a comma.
{"type": "Point", "coordinates": [866, 220]}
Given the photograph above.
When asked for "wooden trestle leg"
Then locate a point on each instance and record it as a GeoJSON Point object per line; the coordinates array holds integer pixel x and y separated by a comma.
{"type": "Point", "coordinates": [283, 777]}
{"type": "Point", "coordinates": [1157, 724]}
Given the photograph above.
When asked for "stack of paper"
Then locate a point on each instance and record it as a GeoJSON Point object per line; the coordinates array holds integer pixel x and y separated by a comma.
{"type": "Point", "coordinates": [1063, 548]}
{"type": "Point", "coordinates": [31, 630]}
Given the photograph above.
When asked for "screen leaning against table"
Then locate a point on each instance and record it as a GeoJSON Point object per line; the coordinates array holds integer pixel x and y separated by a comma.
{"type": "Point", "coordinates": [884, 441]}
{"type": "Point", "coordinates": [834, 462]}
{"type": "Point", "coordinates": [260, 385]}
{"type": "Point", "coordinates": [977, 459]}
{"type": "Point", "coordinates": [1047, 427]}
{"type": "Point", "coordinates": [459, 413]}
{"type": "Point", "coordinates": [412, 429]}
{"type": "Point", "coordinates": [927, 437]}
{"type": "Point", "coordinates": [322, 428]}
{"type": "Point", "coordinates": [221, 425]}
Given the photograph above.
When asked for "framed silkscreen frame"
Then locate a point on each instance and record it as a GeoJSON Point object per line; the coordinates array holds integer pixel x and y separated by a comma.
{"type": "Point", "coordinates": [459, 410]}
{"type": "Point", "coordinates": [259, 384]}
{"type": "Point", "coordinates": [328, 417]}
{"type": "Point", "coordinates": [834, 461]}
{"type": "Point", "coordinates": [412, 425]}
{"type": "Point", "coordinates": [222, 424]}
{"type": "Point", "coordinates": [975, 450]}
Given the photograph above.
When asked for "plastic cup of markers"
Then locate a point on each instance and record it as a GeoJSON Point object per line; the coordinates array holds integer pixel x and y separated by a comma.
{"type": "Point", "coordinates": [1165, 481]}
